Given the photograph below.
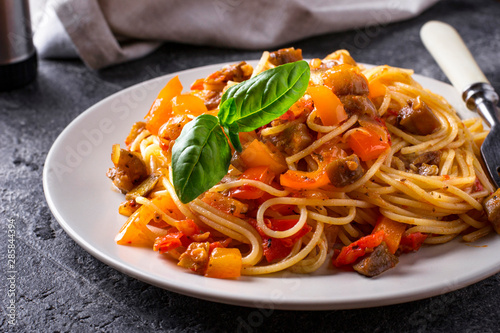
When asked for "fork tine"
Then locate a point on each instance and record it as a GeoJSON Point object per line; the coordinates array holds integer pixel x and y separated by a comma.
{"type": "Point", "coordinates": [490, 152]}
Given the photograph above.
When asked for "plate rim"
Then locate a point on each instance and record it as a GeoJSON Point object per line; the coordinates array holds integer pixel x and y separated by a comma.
{"type": "Point", "coordinates": [216, 295]}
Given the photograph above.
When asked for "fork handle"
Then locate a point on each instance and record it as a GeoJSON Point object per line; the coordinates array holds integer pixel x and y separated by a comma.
{"type": "Point", "coordinates": [450, 52]}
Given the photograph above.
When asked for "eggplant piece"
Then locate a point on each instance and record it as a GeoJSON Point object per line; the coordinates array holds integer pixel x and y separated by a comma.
{"type": "Point", "coordinates": [346, 82]}
{"type": "Point", "coordinates": [211, 98]}
{"type": "Point", "coordinates": [427, 164]}
{"type": "Point", "coordinates": [195, 257]}
{"type": "Point", "coordinates": [341, 57]}
{"type": "Point", "coordinates": [492, 207]}
{"type": "Point", "coordinates": [291, 140]}
{"type": "Point", "coordinates": [344, 171]}
{"type": "Point", "coordinates": [238, 72]}
{"type": "Point", "coordinates": [359, 105]}
{"type": "Point", "coordinates": [417, 118]}
{"type": "Point", "coordinates": [428, 161]}
{"type": "Point", "coordinates": [285, 56]}
{"type": "Point", "coordinates": [430, 158]}
{"type": "Point", "coordinates": [129, 171]}
{"type": "Point", "coordinates": [143, 188]}
{"type": "Point", "coordinates": [377, 262]}
{"type": "Point", "coordinates": [428, 170]}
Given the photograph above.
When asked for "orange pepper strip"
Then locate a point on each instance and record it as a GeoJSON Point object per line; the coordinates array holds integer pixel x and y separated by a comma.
{"type": "Point", "coordinates": [304, 180]}
{"type": "Point", "coordinates": [376, 88]}
{"type": "Point", "coordinates": [198, 84]}
{"type": "Point", "coordinates": [188, 104]}
{"type": "Point", "coordinates": [224, 263]}
{"type": "Point", "coordinates": [328, 106]}
{"type": "Point", "coordinates": [161, 110]}
{"type": "Point", "coordinates": [258, 154]}
{"type": "Point", "coordinates": [393, 231]}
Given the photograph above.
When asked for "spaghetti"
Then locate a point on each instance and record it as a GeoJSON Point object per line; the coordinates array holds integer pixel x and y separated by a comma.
{"type": "Point", "coordinates": [365, 166]}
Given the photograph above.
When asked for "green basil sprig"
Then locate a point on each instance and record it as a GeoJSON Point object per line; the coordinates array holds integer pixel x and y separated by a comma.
{"type": "Point", "coordinates": [264, 97]}
{"type": "Point", "coordinates": [201, 155]}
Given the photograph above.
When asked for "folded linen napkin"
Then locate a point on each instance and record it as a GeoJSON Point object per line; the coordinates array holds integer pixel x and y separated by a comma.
{"type": "Point", "coordinates": [108, 32]}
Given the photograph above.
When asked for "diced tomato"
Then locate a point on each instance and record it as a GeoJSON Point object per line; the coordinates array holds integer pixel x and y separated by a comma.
{"type": "Point", "coordinates": [352, 252]}
{"type": "Point", "coordinates": [161, 110]}
{"type": "Point", "coordinates": [279, 248]}
{"type": "Point", "coordinates": [168, 242]}
{"type": "Point", "coordinates": [260, 173]}
{"type": "Point", "coordinates": [329, 108]}
{"type": "Point", "coordinates": [274, 249]}
{"type": "Point", "coordinates": [188, 227]}
{"type": "Point", "coordinates": [217, 244]}
{"type": "Point", "coordinates": [285, 224]}
{"type": "Point", "coordinates": [393, 231]}
{"type": "Point", "coordinates": [412, 242]}
{"type": "Point", "coordinates": [366, 143]}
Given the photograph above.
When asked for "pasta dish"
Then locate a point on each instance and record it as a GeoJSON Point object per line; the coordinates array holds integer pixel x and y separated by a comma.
{"type": "Point", "coordinates": [293, 165]}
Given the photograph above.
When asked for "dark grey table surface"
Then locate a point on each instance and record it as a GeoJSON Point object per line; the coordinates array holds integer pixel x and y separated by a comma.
{"type": "Point", "coordinates": [60, 287]}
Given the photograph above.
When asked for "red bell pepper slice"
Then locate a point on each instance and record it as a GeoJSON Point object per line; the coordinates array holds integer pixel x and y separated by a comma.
{"type": "Point", "coordinates": [412, 242]}
{"type": "Point", "coordinates": [367, 144]}
{"type": "Point", "coordinates": [350, 253]}
{"type": "Point", "coordinates": [260, 173]}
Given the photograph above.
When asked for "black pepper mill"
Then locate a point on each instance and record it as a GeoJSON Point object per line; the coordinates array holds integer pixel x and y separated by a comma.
{"type": "Point", "coordinates": [18, 61]}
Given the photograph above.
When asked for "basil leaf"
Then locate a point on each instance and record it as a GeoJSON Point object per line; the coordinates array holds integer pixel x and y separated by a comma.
{"type": "Point", "coordinates": [232, 129]}
{"type": "Point", "coordinates": [200, 157]}
{"type": "Point", "coordinates": [234, 138]}
{"type": "Point", "coordinates": [264, 97]}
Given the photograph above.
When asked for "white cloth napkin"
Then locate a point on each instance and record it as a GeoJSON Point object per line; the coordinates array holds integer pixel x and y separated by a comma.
{"type": "Point", "coordinates": [108, 32]}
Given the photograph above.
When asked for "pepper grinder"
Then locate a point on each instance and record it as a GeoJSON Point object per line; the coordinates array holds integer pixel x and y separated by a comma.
{"type": "Point", "coordinates": [18, 60]}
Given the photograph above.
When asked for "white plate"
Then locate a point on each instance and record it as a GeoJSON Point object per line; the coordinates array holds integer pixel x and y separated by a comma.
{"type": "Point", "coordinates": [82, 200]}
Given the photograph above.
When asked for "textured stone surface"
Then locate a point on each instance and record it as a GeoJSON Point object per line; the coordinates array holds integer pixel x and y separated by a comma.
{"type": "Point", "coordinates": [60, 287]}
